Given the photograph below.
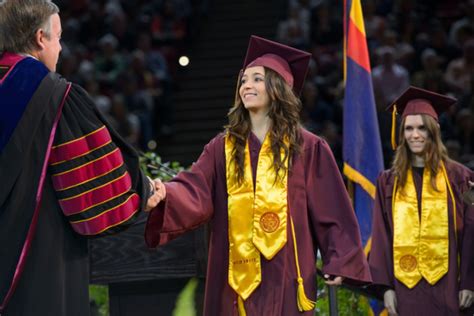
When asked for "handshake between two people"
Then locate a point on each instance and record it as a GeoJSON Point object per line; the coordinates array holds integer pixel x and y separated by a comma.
{"type": "Point", "coordinates": [158, 190]}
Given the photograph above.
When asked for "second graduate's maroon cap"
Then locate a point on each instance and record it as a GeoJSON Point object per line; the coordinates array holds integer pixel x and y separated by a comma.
{"type": "Point", "coordinates": [419, 101]}
{"type": "Point", "coordinates": [288, 62]}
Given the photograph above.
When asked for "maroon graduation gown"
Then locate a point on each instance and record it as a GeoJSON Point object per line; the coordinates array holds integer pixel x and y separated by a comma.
{"type": "Point", "coordinates": [425, 299]}
{"type": "Point", "coordinates": [322, 215]}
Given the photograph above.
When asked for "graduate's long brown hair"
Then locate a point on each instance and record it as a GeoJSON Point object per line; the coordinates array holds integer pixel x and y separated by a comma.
{"type": "Point", "coordinates": [435, 152]}
{"type": "Point", "coordinates": [284, 112]}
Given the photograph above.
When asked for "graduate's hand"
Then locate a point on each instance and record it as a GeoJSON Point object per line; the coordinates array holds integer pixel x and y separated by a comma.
{"type": "Point", "coordinates": [152, 202]}
{"type": "Point", "coordinates": [337, 280]}
{"type": "Point", "coordinates": [158, 195]}
{"type": "Point", "coordinates": [160, 189]}
{"type": "Point", "coordinates": [390, 302]}
{"type": "Point", "coordinates": [466, 298]}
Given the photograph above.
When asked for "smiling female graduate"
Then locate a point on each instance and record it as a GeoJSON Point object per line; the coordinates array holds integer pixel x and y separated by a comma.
{"type": "Point", "coordinates": [422, 256]}
{"type": "Point", "coordinates": [273, 195]}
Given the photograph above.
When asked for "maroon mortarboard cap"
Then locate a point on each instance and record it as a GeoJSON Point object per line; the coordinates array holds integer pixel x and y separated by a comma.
{"type": "Point", "coordinates": [290, 63]}
{"type": "Point", "coordinates": [419, 101]}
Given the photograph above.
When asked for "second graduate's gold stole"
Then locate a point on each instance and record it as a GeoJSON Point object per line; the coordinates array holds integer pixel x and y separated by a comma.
{"type": "Point", "coordinates": [257, 220]}
{"type": "Point", "coordinates": [421, 241]}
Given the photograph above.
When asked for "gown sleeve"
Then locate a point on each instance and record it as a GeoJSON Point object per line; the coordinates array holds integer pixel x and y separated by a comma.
{"type": "Point", "coordinates": [188, 202]}
{"type": "Point", "coordinates": [380, 257]}
{"type": "Point", "coordinates": [467, 246]}
{"type": "Point", "coordinates": [333, 219]}
{"type": "Point", "coordinates": [95, 174]}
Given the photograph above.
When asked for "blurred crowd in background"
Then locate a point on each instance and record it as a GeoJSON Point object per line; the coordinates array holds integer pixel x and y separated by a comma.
{"type": "Point", "coordinates": [125, 52]}
{"type": "Point", "coordinates": [428, 44]}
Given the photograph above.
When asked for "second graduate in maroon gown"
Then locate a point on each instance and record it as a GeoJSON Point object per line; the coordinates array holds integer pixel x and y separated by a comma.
{"type": "Point", "coordinates": [422, 256]}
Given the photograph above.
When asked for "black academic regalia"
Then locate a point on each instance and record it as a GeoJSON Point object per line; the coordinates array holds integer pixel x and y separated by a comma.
{"type": "Point", "coordinates": [55, 276]}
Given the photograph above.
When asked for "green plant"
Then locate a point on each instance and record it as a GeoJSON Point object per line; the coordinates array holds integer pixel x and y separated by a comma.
{"type": "Point", "coordinates": [185, 302]}
{"type": "Point", "coordinates": [99, 297]}
{"type": "Point", "coordinates": [349, 303]}
{"type": "Point", "coordinates": [152, 166]}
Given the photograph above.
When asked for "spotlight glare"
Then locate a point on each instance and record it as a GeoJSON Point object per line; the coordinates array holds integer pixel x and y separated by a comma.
{"type": "Point", "coordinates": [183, 61]}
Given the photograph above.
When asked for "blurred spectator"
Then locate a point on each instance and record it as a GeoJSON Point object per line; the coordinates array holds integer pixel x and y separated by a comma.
{"type": "Point", "coordinates": [326, 27]}
{"type": "Point", "coordinates": [153, 58]}
{"type": "Point", "coordinates": [109, 63]}
{"type": "Point", "coordinates": [331, 133]}
{"type": "Point", "coordinates": [126, 123]}
{"type": "Point", "coordinates": [464, 27]}
{"type": "Point", "coordinates": [465, 131]}
{"type": "Point", "coordinates": [68, 67]}
{"type": "Point", "coordinates": [371, 19]}
{"type": "Point", "coordinates": [140, 103]}
{"type": "Point", "coordinates": [101, 101]}
{"type": "Point", "coordinates": [374, 24]}
{"type": "Point", "coordinates": [454, 149]}
{"type": "Point", "coordinates": [459, 71]}
{"type": "Point", "coordinates": [403, 51]}
{"type": "Point", "coordinates": [467, 100]}
{"type": "Point", "coordinates": [120, 28]}
{"type": "Point", "coordinates": [315, 111]}
{"type": "Point", "coordinates": [167, 26]}
{"type": "Point", "coordinates": [92, 22]}
{"type": "Point", "coordinates": [389, 78]}
{"type": "Point", "coordinates": [294, 31]}
{"type": "Point", "coordinates": [431, 76]}
{"type": "Point", "coordinates": [438, 40]}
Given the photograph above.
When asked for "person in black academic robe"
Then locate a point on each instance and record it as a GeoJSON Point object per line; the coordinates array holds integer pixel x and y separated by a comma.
{"type": "Point", "coordinates": [66, 175]}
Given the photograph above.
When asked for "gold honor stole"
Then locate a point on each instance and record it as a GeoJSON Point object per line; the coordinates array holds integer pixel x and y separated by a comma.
{"type": "Point", "coordinates": [257, 221]}
{"type": "Point", "coordinates": [421, 243]}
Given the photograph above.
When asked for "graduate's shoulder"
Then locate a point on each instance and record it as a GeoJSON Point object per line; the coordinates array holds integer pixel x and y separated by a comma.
{"type": "Point", "coordinates": [386, 177]}
{"type": "Point", "coordinates": [454, 166]}
{"type": "Point", "coordinates": [309, 140]}
{"type": "Point", "coordinates": [458, 171]}
{"type": "Point", "coordinates": [217, 140]}
{"type": "Point", "coordinates": [216, 143]}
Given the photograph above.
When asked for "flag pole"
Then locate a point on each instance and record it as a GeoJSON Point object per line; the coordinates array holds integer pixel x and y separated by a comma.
{"type": "Point", "coordinates": [332, 296]}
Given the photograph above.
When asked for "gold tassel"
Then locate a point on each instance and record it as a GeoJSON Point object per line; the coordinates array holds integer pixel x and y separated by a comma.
{"type": "Point", "coordinates": [394, 128]}
{"type": "Point", "coordinates": [241, 307]}
{"type": "Point", "coordinates": [304, 303]}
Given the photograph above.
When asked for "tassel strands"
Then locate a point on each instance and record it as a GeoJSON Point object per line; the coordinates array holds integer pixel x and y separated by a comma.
{"type": "Point", "coordinates": [394, 121]}
{"type": "Point", "coordinates": [304, 303]}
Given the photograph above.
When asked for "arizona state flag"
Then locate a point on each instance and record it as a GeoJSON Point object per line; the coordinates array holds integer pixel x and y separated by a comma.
{"type": "Point", "coordinates": [362, 149]}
